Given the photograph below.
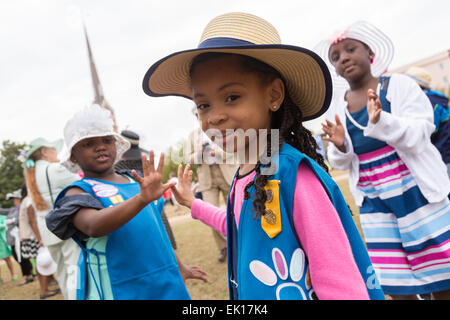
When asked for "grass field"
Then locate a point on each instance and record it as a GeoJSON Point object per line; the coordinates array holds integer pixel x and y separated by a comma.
{"type": "Point", "coordinates": [196, 246]}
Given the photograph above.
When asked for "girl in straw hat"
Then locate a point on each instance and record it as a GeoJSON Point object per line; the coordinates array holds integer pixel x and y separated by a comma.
{"type": "Point", "coordinates": [116, 218]}
{"type": "Point", "coordinates": [278, 222]}
{"type": "Point", "coordinates": [382, 134]}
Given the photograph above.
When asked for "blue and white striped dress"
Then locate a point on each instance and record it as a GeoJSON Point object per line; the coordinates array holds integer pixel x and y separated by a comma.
{"type": "Point", "coordinates": [408, 238]}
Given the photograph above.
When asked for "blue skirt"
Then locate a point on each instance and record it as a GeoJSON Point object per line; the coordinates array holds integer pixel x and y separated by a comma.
{"type": "Point", "coordinates": [408, 239]}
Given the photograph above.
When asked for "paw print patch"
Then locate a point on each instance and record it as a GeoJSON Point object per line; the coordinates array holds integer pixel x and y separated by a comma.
{"type": "Point", "coordinates": [286, 279]}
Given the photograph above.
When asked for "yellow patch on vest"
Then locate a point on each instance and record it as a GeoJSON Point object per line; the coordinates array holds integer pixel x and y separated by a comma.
{"type": "Point", "coordinates": [116, 199]}
{"type": "Point", "coordinates": [271, 221]}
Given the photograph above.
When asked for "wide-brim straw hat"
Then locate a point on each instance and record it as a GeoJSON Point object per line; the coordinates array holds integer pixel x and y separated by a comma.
{"type": "Point", "coordinates": [420, 75]}
{"type": "Point", "coordinates": [305, 74]}
{"type": "Point", "coordinates": [92, 121]}
{"type": "Point", "coordinates": [363, 31]}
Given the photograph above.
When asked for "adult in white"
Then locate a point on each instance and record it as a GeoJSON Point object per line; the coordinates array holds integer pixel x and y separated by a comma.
{"type": "Point", "coordinates": [45, 178]}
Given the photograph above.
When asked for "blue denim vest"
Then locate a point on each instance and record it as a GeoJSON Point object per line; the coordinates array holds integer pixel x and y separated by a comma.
{"type": "Point", "coordinates": [265, 267]}
{"type": "Point", "coordinates": [140, 259]}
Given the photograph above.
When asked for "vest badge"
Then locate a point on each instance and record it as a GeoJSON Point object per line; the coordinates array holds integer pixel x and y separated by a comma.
{"type": "Point", "coordinates": [271, 220]}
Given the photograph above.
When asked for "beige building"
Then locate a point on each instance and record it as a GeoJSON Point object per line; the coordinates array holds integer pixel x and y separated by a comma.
{"type": "Point", "coordinates": [439, 67]}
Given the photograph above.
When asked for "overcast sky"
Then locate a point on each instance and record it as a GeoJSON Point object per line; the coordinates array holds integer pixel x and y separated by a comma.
{"type": "Point", "coordinates": [45, 75]}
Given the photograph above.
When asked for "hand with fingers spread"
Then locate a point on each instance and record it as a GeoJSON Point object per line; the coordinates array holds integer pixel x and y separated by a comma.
{"type": "Point", "coordinates": [183, 192]}
{"type": "Point", "coordinates": [373, 106]}
{"type": "Point", "coordinates": [335, 133]}
{"type": "Point", "coordinates": [151, 186]}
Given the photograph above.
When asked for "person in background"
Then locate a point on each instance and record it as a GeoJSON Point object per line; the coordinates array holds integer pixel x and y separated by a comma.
{"type": "Point", "coordinates": [45, 177]}
{"type": "Point", "coordinates": [5, 250]}
{"type": "Point", "coordinates": [31, 241]}
{"type": "Point", "coordinates": [441, 135]}
{"type": "Point", "coordinates": [13, 236]}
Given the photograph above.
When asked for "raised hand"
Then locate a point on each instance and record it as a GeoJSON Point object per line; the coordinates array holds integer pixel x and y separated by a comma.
{"type": "Point", "coordinates": [151, 186]}
{"type": "Point", "coordinates": [335, 132]}
{"type": "Point", "coordinates": [182, 192]}
{"type": "Point", "coordinates": [373, 106]}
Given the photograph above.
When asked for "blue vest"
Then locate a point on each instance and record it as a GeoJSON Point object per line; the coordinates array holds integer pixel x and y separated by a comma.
{"type": "Point", "coordinates": [140, 259]}
{"type": "Point", "coordinates": [265, 259]}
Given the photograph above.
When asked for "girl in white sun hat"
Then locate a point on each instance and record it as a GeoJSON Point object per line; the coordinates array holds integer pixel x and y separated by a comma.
{"type": "Point", "coordinates": [115, 217]}
{"type": "Point", "coordinates": [380, 130]}
{"type": "Point", "coordinates": [278, 222]}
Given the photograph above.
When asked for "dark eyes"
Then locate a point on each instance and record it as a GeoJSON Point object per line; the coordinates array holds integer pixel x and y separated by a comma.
{"type": "Point", "coordinates": [228, 99]}
{"type": "Point", "coordinates": [91, 143]}
{"type": "Point", "coordinates": [202, 106]}
{"type": "Point", "coordinates": [108, 140]}
{"type": "Point", "coordinates": [231, 98]}
{"type": "Point", "coordinates": [335, 57]}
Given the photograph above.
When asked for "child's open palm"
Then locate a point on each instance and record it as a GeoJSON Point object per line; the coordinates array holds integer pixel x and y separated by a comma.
{"type": "Point", "coordinates": [151, 186]}
{"type": "Point", "coordinates": [183, 192]}
{"type": "Point", "coordinates": [335, 132]}
{"type": "Point", "coordinates": [373, 106]}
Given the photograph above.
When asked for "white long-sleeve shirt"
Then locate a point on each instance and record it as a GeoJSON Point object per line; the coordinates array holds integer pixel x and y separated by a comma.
{"type": "Point", "coordinates": [60, 178]}
{"type": "Point", "coordinates": [407, 129]}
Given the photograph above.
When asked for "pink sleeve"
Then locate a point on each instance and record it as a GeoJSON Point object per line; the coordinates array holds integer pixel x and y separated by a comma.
{"type": "Point", "coordinates": [210, 215]}
{"type": "Point", "coordinates": [333, 270]}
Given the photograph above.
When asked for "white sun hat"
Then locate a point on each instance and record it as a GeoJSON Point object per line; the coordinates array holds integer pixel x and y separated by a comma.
{"type": "Point", "coordinates": [15, 194]}
{"type": "Point", "coordinates": [92, 121]}
{"type": "Point", "coordinates": [44, 262]}
{"type": "Point", "coordinates": [363, 31]}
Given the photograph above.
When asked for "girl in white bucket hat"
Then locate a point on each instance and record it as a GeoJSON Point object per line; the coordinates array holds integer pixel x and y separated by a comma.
{"type": "Point", "coordinates": [115, 218]}
{"type": "Point", "coordinates": [380, 130]}
{"type": "Point", "coordinates": [241, 78]}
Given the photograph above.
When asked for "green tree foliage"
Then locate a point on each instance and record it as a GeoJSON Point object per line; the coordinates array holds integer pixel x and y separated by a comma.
{"type": "Point", "coordinates": [11, 171]}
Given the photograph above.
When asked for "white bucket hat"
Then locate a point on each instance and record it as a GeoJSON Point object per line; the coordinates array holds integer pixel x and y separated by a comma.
{"type": "Point", "coordinates": [363, 31]}
{"type": "Point", "coordinates": [14, 194]}
{"type": "Point", "coordinates": [92, 121]}
{"type": "Point", "coordinates": [44, 262]}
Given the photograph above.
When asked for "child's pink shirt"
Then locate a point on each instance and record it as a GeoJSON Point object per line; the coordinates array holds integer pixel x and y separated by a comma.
{"type": "Point", "coordinates": [333, 270]}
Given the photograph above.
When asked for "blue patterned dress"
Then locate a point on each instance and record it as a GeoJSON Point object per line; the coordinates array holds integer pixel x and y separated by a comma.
{"type": "Point", "coordinates": [407, 237]}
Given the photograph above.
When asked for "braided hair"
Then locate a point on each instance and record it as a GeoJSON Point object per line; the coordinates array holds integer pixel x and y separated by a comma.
{"type": "Point", "coordinates": [288, 120]}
